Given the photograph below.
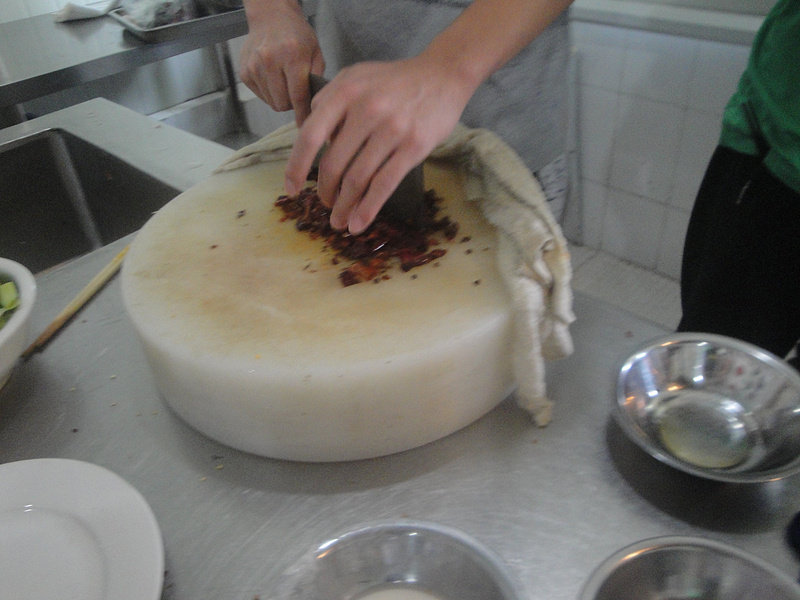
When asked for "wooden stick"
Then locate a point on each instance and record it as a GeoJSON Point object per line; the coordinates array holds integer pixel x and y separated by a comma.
{"type": "Point", "coordinates": [77, 303]}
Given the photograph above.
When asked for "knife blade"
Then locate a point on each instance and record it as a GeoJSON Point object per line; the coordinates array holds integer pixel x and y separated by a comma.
{"type": "Point", "coordinates": [407, 202]}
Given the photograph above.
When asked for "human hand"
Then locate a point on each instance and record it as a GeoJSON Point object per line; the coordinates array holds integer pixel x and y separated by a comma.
{"type": "Point", "coordinates": [279, 52]}
{"type": "Point", "coordinates": [380, 120]}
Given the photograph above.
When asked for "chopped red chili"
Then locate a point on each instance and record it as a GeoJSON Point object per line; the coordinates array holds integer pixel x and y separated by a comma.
{"type": "Point", "coordinates": [383, 244]}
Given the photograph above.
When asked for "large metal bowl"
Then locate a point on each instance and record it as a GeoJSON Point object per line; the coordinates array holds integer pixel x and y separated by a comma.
{"type": "Point", "coordinates": [712, 406]}
{"type": "Point", "coordinates": [405, 558]}
{"type": "Point", "coordinates": [686, 567]}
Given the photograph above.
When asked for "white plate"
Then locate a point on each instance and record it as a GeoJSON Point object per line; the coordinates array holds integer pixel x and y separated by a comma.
{"type": "Point", "coordinates": [74, 530]}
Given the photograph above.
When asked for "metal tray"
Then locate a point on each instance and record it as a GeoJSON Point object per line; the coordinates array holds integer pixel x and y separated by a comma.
{"type": "Point", "coordinates": [182, 29]}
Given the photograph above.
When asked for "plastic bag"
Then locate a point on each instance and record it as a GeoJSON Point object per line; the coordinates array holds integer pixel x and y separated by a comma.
{"type": "Point", "coordinates": [155, 13]}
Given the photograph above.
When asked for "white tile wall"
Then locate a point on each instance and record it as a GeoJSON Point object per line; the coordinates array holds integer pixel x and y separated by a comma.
{"type": "Point", "coordinates": [597, 108]}
{"type": "Point", "coordinates": [656, 67]}
{"type": "Point", "coordinates": [645, 147]}
{"type": "Point", "coordinates": [715, 74]}
{"type": "Point", "coordinates": [649, 110]}
{"type": "Point", "coordinates": [638, 290]}
{"type": "Point", "coordinates": [632, 228]}
{"type": "Point", "coordinates": [594, 199]}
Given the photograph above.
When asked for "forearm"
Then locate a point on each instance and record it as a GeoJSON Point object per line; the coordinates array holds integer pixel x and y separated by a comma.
{"type": "Point", "coordinates": [279, 52]}
{"type": "Point", "coordinates": [488, 34]}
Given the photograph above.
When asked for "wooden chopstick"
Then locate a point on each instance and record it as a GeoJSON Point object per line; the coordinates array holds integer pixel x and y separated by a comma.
{"type": "Point", "coordinates": [94, 286]}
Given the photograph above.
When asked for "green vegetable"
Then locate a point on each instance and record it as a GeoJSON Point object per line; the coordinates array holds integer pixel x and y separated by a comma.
{"type": "Point", "coordinates": [9, 300]}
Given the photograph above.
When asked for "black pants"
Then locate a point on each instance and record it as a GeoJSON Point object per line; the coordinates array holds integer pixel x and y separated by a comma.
{"type": "Point", "coordinates": [740, 274]}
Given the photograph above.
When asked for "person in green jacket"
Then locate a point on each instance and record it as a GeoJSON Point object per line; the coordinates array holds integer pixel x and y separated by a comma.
{"type": "Point", "coordinates": [740, 273]}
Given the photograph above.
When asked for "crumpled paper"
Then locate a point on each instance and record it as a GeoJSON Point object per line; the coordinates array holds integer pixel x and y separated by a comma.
{"type": "Point", "coordinates": [533, 255]}
{"type": "Point", "coordinates": [75, 12]}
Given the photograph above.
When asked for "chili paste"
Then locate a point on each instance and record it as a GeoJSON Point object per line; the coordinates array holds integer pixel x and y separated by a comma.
{"type": "Point", "coordinates": [384, 244]}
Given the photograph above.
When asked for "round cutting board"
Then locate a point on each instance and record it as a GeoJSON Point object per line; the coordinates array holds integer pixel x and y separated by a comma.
{"type": "Point", "coordinates": [253, 340]}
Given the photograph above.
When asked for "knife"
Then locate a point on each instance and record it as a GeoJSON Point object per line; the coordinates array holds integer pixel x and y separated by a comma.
{"type": "Point", "coordinates": [407, 202]}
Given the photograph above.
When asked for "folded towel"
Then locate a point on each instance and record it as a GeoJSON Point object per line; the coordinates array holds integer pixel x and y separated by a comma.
{"type": "Point", "coordinates": [74, 12]}
{"type": "Point", "coordinates": [533, 256]}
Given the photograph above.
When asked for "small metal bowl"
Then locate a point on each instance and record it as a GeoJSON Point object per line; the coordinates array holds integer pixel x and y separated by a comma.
{"type": "Point", "coordinates": [712, 406]}
{"type": "Point", "coordinates": [403, 559]}
{"type": "Point", "coordinates": [686, 567]}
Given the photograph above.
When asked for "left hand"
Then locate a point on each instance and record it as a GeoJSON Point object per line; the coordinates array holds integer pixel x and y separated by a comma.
{"type": "Point", "coordinates": [279, 52]}
{"type": "Point", "coordinates": [380, 119]}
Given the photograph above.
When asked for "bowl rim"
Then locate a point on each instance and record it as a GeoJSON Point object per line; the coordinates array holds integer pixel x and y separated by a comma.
{"type": "Point", "coordinates": [630, 552]}
{"type": "Point", "coordinates": [635, 433]}
{"type": "Point", "coordinates": [26, 285]}
{"type": "Point", "coordinates": [491, 561]}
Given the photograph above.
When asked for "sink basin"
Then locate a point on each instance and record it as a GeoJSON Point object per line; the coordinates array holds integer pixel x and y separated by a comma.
{"type": "Point", "coordinates": [61, 197]}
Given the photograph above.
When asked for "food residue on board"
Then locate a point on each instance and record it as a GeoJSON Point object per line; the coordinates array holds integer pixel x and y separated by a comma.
{"type": "Point", "coordinates": [385, 243]}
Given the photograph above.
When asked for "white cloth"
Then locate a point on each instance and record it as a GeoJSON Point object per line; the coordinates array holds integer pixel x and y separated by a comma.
{"type": "Point", "coordinates": [75, 12]}
{"type": "Point", "coordinates": [533, 255]}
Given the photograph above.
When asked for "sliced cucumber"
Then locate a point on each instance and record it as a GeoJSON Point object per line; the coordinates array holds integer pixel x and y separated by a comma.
{"type": "Point", "coordinates": [9, 300]}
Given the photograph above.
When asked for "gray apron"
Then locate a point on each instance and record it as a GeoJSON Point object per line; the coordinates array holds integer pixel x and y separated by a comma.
{"type": "Point", "coordinates": [525, 102]}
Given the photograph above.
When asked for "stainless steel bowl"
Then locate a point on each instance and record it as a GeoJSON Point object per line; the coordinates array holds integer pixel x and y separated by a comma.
{"type": "Point", "coordinates": [400, 559]}
{"type": "Point", "coordinates": [712, 406]}
{"type": "Point", "coordinates": [687, 567]}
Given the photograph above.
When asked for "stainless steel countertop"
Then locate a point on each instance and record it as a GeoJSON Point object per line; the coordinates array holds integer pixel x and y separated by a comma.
{"type": "Point", "coordinates": [39, 56]}
{"type": "Point", "coordinates": [552, 502]}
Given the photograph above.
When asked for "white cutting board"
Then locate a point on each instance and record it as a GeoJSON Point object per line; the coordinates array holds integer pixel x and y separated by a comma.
{"type": "Point", "coordinates": [254, 341]}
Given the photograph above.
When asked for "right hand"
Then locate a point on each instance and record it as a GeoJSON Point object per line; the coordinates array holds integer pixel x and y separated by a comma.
{"type": "Point", "coordinates": [379, 119]}
{"type": "Point", "coordinates": [280, 51]}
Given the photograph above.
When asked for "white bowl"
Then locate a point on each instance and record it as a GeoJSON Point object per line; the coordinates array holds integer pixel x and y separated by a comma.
{"type": "Point", "coordinates": [14, 335]}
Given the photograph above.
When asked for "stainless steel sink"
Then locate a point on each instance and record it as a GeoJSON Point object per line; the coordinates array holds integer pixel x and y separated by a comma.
{"type": "Point", "coordinates": [61, 196]}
